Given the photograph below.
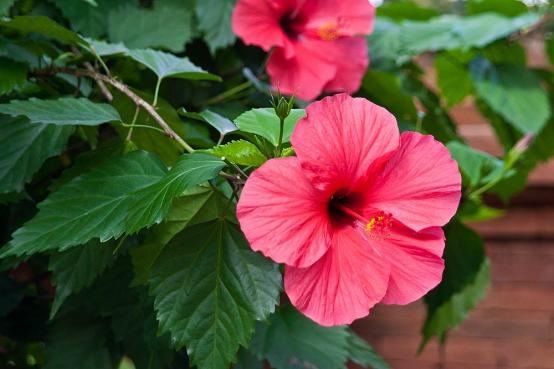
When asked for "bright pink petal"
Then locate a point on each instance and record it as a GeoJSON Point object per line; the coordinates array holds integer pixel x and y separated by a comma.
{"type": "Point", "coordinates": [415, 261]}
{"type": "Point", "coordinates": [342, 140]}
{"type": "Point", "coordinates": [353, 17]}
{"type": "Point", "coordinates": [256, 22]}
{"type": "Point", "coordinates": [350, 55]}
{"type": "Point", "coordinates": [344, 284]}
{"type": "Point", "coordinates": [317, 66]}
{"type": "Point", "coordinates": [303, 75]}
{"type": "Point", "coordinates": [282, 215]}
{"type": "Point", "coordinates": [420, 185]}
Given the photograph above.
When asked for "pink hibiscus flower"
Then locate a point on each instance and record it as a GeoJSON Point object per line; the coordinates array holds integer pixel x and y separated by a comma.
{"type": "Point", "coordinates": [315, 42]}
{"type": "Point", "coordinates": [356, 215]}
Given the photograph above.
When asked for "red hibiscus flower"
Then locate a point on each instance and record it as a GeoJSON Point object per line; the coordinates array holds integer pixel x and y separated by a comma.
{"type": "Point", "coordinates": [356, 216]}
{"type": "Point", "coordinates": [315, 42]}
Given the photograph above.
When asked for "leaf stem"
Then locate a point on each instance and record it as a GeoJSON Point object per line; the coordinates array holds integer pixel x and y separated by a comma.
{"type": "Point", "coordinates": [125, 90]}
{"type": "Point", "coordinates": [227, 94]}
{"type": "Point", "coordinates": [142, 126]}
{"type": "Point", "coordinates": [279, 147]}
{"type": "Point", "coordinates": [156, 92]}
{"type": "Point", "coordinates": [135, 116]}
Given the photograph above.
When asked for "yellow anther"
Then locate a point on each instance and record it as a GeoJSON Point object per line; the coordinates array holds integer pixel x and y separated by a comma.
{"type": "Point", "coordinates": [328, 31]}
{"type": "Point", "coordinates": [379, 225]}
{"type": "Point", "coordinates": [370, 225]}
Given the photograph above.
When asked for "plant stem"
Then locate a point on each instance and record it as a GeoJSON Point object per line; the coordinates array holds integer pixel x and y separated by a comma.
{"type": "Point", "coordinates": [125, 90]}
{"type": "Point", "coordinates": [508, 164]}
{"type": "Point", "coordinates": [135, 116]}
{"type": "Point", "coordinates": [156, 92]}
{"type": "Point", "coordinates": [279, 148]}
{"type": "Point", "coordinates": [227, 94]}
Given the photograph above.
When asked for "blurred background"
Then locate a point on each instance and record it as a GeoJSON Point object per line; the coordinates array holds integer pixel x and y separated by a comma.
{"type": "Point", "coordinates": [513, 326]}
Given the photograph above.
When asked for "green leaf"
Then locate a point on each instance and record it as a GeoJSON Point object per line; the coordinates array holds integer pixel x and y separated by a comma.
{"type": "Point", "coordinates": [246, 360]}
{"type": "Point", "coordinates": [549, 47]}
{"type": "Point", "coordinates": [103, 48]}
{"type": "Point", "coordinates": [510, 8]}
{"type": "Point", "coordinates": [151, 204]}
{"type": "Point", "coordinates": [149, 139]}
{"type": "Point", "coordinates": [514, 92]}
{"type": "Point", "coordinates": [361, 353]}
{"type": "Point", "coordinates": [88, 160]}
{"type": "Point", "coordinates": [542, 149]}
{"type": "Point", "coordinates": [399, 42]}
{"type": "Point", "coordinates": [12, 75]}
{"type": "Point", "coordinates": [62, 111]}
{"type": "Point", "coordinates": [209, 290]}
{"type": "Point", "coordinates": [385, 89]}
{"type": "Point", "coordinates": [405, 9]}
{"type": "Point", "coordinates": [292, 340]}
{"type": "Point", "coordinates": [88, 17]}
{"type": "Point", "coordinates": [5, 5]}
{"type": "Point", "coordinates": [168, 65]}
{"type": "Point", "coordinates": [214, 19]}
{"type": "Point", "coordinates": [142, 343]}
{"type": "Point", "coordinates": [502, 52]}
{"type": "Point", "coordinates": [436, 120]}
{"type": "Point", "coordinates": [94, 205]}
{"type": "Point", "coordinates": [475, 165]}
{"type": "Point", "coordinates": [240, 152]}
{"type": "Point", "coordinates": [78, 342]}
{"type": "Point", "coordinates": [219, 122]}
{"type": "Point", "coordinates": [265, 123]}
{"type": "Point", "coordinates": [77, 268]}
{"type": "Point", "coordinates": [472, 210]}
{"type": "Point", "coordinates": [465, 279]}
{"type": "Point", "coordinates": [24, 147]}
{"type": "Point", "coordinates": [43, 26]}
{"type": "Point", "coordinates": [198, 205]}
{"type": "Point", "coordinates": [453, 78]}
{"type": "Point", "coordinates": [84, 17]}
{"type": "Point", "coordinates": [167, 26]}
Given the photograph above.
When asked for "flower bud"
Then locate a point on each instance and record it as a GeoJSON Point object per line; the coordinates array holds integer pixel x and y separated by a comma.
{"type": "Point", "coordinates": [282, 106]}
{"type": "Point", "coordinates": [524, 143]}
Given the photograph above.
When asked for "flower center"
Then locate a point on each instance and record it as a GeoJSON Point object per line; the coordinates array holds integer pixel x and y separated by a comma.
{"type": "Point", "coordinates": [288, 24]}
{"type": "Point", "coordinates": [341, 211]}
{"type": "Point", "coordinates": [329, 31]}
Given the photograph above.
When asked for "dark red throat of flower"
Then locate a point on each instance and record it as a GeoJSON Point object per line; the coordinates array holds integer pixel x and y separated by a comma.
{"type": "Point", "coordinates": [377, 225]}
{"type": "Point", "coordinates": [288, 25]}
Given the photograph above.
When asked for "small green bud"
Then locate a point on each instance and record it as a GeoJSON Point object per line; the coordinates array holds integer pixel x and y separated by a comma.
{"type": "Point", "coordinates": [282, 106]}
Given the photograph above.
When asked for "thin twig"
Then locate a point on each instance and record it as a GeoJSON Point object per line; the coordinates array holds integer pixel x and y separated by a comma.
{"type": "Point", "coordinates": [125, 90]}
{"type": "Point", "coordinates": [103, 89]}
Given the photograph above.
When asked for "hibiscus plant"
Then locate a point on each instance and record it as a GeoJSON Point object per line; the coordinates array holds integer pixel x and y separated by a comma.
{"type": "Point", "coordinates": [217, 183]}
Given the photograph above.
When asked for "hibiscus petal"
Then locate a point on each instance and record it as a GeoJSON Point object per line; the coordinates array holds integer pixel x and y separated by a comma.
{"type": "Point", "coordinates": [415, 261]}
{"type": "Point", "coordinates": [420, 185]}
{"type": "Point", "coordinates": [344, 284]}
{"type": "Point", "coordinates": [256, 22]}
{"type": "Point", "coordinates": [350, 55]}
{"type": "Point", "coordinates": [342, 140]}
{"type": "Point", "coordinates": [282, 215]}
{"type": "Point", "coordinates": [303, 75]}
{"type": "Point", "coordinates": [353, 17]}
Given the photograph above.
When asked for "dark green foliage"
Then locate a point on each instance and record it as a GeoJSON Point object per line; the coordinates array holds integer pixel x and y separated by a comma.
{"type": "Point", "coordinates": [127, 131]}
